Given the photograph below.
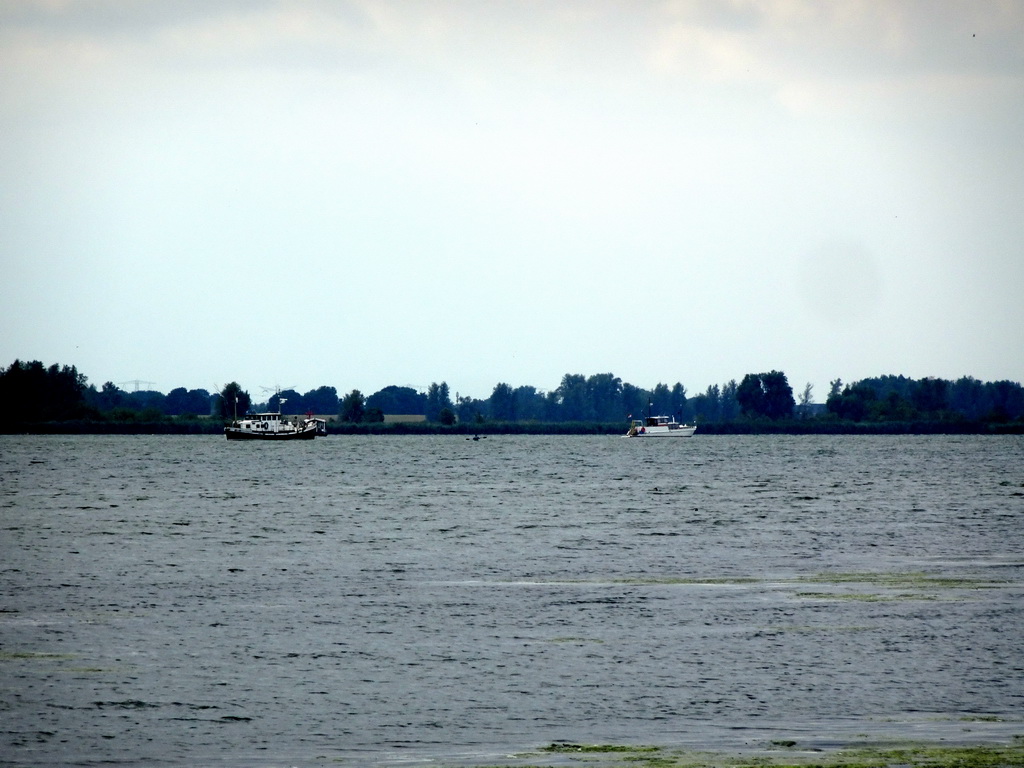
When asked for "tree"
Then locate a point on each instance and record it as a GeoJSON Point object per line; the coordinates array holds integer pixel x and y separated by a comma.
{"type": "Point", "coordinates": [967, 396]}
{"type": "Point", "coordinates": [373, 415]}
{"type": "Point", "coordinates": [181, 401]}
{"type": "Point", "coordinates": [634, 401]}
{"type": "Point", "coordinates": [778, 395]}
{"type": "Point", "coordinates": [530, 404]}
{"type": "Point", "coordinates": [605, 392]}
{"type": "Point", "coordinates": [107, 398]}
{"type": "Point", "coordinates": [929, 395]}
{"type": "Point", "coordinates": [437, 399]}
{"type": "Point", "coordinates": [678, 396]}
{"type": "Point", "coordinates": [147, 400]}
{"type": "Point", "coordinates": [63, 392]}
{"type": "Point", "coordinates": [729, 405]}
{"type": "Point", "coordinates": [711, 404]}
{"type": "Point", "coordinates": [288, 401]}
{"type": "Point", "coordinates": [766, 395]}
{"type": "Point", "coordinates": [898, 398]}
{"type": "Point", "coordinates": [468, 410]}
{"type": "Point", "coordinates": [573, 398]}
{"type": "Point", "coordinates": [502, 403]}
{"type": "Point", "coordinates": [661, 399]}
{"type": "Point", "coordinates": [234, 401]}
{"type": "Point", "coordinates": [33, 392]}
{"type": "Point", "coordinates": [807, 396]}
{"type": "Point", "coordinates": [853, 403]}
{"type": "Point", "coordinates": [392, 399]}
{"type": "Point", "coordinates": [552, 406]}
{"type": "Point", "coordinates": [322, 400]}
{"type": "Point", "coordinates": [176, 401]}
{"type": "Point", "coordinates": [202, 401]}
{"type": "Point", "coordinates": [891, 408]}
{"type": "Point", "coordinates": [352, 407]}
{"type": "Point", "coordinates": [1007, 400]}
{"type": "Point", "coordinates": [750, 395]}
{"type": "Point", "coordinates": [446, 417]}
{"type": "Point", "coordinates": [805, 406]}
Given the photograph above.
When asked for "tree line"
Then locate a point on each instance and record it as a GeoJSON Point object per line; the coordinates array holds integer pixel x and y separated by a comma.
{"type": "Point", "coordinates": [57, 393]}
{"type": "Point", "coordinates": [897, 398]}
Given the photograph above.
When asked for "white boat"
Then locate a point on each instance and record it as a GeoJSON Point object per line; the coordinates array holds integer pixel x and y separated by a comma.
{"type": "Point", "coordinates": [660, 426]}
{"type": "Point", "coordinates": [272, 426]}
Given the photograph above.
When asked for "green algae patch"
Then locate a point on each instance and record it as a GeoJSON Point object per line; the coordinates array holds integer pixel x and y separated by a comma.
{"type": "Point", "coordinates": [33, 656]}
{"type": "Point", "coordinates": [888, 580]}
{"type": "Point", "coordinates": [890, 587]}
{"type": "Point", "coordinates": [780, 628]}
{"type": "Point", "coordinates": [648, 581]}
{"type": "Point", "coordinates": [891, 580]}
{"type": "Point", "coordinates": [669, 581]}
{"type": "Point", "coordinates": [909, 580]}
{"type": "Point", "coordinates": [566, 746]}
{"type": "Point", "coordinates": [780, 753]}
{"type": "Point", "coordinates": [864, 597]}
{"type": "Point", "coordinates": [924, 756]}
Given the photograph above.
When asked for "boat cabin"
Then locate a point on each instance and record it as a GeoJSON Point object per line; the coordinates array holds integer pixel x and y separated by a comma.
{"type": "Point", "coordinates": [654, 421]}
{"type": "Point", "coordinates": [266, 422]}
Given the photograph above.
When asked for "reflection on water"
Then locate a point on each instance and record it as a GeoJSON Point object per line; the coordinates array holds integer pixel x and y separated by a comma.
{"type": "Point", "coordinates": [372, 599]}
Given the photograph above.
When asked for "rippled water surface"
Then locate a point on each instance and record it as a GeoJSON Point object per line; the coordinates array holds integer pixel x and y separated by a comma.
{"type": "Point", "coordinates": [367, 601]}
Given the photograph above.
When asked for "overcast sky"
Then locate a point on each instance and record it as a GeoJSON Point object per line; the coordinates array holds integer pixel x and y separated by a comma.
{"type": "Point", "coordinates": [367, 193]}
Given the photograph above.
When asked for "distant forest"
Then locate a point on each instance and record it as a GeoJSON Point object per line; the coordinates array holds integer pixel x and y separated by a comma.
{"type": "Point", "coordinates": [36, 394]}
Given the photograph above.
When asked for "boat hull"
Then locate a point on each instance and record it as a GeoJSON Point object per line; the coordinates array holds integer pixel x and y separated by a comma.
{"type": "Point", "coordinates": [234, 433]}
{"type": "Point", "coordinates": [681, 431]}
{"type": "Point", "coordinates": [660, 426]}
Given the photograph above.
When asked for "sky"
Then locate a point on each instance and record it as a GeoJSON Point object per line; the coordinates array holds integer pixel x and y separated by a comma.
{"type": "Point", "coordinates": [367, 193]}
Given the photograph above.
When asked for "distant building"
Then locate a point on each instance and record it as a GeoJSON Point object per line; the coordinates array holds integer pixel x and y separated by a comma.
{"type": "Point", "coordinates": [810, 411]}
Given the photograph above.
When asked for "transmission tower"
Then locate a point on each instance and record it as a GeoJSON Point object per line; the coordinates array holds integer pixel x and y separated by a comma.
{"type": "Point", "coordinates": [137, 385]}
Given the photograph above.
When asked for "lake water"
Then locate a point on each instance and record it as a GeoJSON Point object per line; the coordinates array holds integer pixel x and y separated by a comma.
{"type": "Point", "coordinates": [390, 600]}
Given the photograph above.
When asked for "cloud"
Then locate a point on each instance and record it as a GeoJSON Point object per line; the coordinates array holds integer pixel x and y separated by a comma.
{"type": "Point", "coordinates": [799, 52]}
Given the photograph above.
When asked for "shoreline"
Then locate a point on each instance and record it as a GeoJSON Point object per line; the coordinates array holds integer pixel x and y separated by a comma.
{"type": "Point", "coordinates": [802, 427]}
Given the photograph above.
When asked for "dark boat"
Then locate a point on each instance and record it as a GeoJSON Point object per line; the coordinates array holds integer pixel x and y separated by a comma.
{"type": "Point", "coordinates": [272, 426]}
